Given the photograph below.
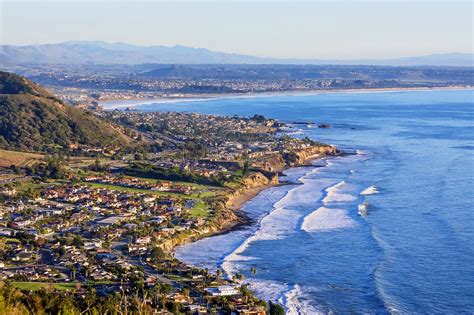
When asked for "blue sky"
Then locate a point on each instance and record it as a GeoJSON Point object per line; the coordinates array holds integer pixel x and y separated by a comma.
{"type": "Point", "coordinates": [305, 29]}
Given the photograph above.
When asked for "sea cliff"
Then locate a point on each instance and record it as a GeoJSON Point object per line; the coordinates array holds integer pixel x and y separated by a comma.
{"type": "Point", "coordinates": [264, 174]}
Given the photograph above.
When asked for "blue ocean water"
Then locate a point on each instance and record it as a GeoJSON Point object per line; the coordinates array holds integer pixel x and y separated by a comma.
{"type": "Point", "coordinates": [413, 252]}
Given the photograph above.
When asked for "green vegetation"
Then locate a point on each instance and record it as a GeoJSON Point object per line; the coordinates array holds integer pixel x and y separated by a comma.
{"type": "Point", "coordinates": [14, 84]}
{"type": "Point", "coordinates": [134, 190]}
{"type": "Point", "coordinates": [199, 210]}
{"type": "Point", "coordinates": [33, 286]}
{"type": "Point", "coordinates": [31, 119]}
{"type": "Point", "coordinates": [174, 174]}
{"type": "Point", "coordinates": [276, 309]}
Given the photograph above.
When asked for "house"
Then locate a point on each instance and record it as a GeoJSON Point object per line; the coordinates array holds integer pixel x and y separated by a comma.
{"type": "Point", "coordinates": [143, 240]}
{"type": "Point", "coordinates": [8, 192]}
{"type": "Point", "coordinates": [92, 245]}
{"type": "Point", "coordinates": [136, 247]}
{"type": "Point", "coordinates": [179, 298]}
{"type": "Point", "coordinates": [196, 309]}
{"type": "Point", "coordinates": [223, 290]}
{"type": "Point", "coordinates": [110, 220]}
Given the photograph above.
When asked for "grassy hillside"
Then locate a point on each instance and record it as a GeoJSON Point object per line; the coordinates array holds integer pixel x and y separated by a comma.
{"type": "Point", "coordinates": [31, 119]}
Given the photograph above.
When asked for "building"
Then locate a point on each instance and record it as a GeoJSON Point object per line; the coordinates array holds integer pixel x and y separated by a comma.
{"type": "Point", "coordinates": [223, 290]}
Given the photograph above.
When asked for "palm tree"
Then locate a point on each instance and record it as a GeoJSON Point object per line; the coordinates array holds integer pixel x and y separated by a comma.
{"type": "Point", "coordinates": [73, 270]}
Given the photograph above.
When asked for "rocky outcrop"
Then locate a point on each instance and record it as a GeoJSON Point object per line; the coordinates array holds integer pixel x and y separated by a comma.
{"type": "Point", "coordinates": [302, 156]}
{"type": "Point", "coordinates": [250, 182]}
{"type": "Point", "coordinates": [270, 163]}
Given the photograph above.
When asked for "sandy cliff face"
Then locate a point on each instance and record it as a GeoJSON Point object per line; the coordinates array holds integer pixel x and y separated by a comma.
{"type": "Point", "coordinates": [270, 163]}
{"type": "Point", "coordinates": [254, 181]}
{"type": "Point", "coordinates": [278, 162]}
{"type": "Point", "coordinates": [305, 155]}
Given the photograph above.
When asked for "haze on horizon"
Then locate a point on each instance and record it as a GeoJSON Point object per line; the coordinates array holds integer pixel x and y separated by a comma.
{"type": "Point", "coordinates": [318, 29]}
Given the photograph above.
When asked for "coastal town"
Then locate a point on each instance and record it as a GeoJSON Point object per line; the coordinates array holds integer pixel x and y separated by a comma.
{"type": "Point", "coordinates": [253, 157]}
{"type": "Point", "coordinates": [88, 86]}
{"type": "Point", "coordinates": [106, 220]}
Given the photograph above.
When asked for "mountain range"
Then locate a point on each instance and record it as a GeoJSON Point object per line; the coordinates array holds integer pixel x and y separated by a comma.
{"type": "Point", "coordinates": [100, 52]}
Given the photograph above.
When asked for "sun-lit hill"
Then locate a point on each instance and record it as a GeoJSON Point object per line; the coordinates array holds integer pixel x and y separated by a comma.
{"type": "Point", "coordinates": [32, 119]}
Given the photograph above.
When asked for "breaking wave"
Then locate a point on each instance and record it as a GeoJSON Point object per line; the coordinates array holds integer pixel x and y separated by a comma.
{"type": "Point", "coordinates": [295, 302]}
{"type": "Point", "coordinates": [370, 190]}
{"type": "Point", "coordinates": [363, 209]}
{"type": "Point", "coordinates": [325, 219]}
{"type": "Point", "coordinates": [337, 193]}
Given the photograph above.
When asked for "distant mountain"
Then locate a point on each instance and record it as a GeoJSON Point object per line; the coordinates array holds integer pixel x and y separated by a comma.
{"type": "Point", "coordinates": [31, 119]}
{"type": "Point", "coordinates": [98, 52]}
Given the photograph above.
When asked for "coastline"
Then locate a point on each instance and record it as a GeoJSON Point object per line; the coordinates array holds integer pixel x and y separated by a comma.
{"type": "Point", "coordinates": [111, 104]}
{"type": "Point", "coordinates": [232, 215]}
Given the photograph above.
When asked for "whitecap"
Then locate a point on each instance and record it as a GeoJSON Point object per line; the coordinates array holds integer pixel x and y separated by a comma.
{"type": "Point", "coordinates": [363, 208]}
{"type": "Point", "coordinates": [279, 223]}
{"type": "Point", "coordinates": [336, 193]}
{"type": "Point", "coordinates": [370, 190]}
{"type": "Point", "coordinates": [267, 289]}
{"type": "Point", "coordinates": [296, 303]}
{"type": "Point", "coordinates": [325, 219]}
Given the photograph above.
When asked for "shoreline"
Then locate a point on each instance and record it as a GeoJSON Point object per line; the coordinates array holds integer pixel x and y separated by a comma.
{"type": "Point", "coordinates": [237, 203]}
{"type": "Point", "coordinates": [112, 104]}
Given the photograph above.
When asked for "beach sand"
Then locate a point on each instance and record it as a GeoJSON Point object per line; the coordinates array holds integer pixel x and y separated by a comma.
{"type": "Point", "coordinates": [132, 102]}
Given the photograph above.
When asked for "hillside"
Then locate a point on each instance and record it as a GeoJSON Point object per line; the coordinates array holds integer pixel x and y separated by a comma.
{"type": "Point", "coordinates": [31, 119]}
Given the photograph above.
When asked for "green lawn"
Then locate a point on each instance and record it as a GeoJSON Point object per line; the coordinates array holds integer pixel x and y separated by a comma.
{"type": "Point", "coordinates": [34, 286]}
{"type": "Point", "coordinates": [136, 190]}
{"type": "Point", "coordinates": [199, 210]}
{"type": "Point", "coordinates": [204, 194]}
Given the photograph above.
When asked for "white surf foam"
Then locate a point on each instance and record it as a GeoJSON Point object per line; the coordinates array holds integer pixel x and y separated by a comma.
{"type": "Point", "coordinates": [280, 222]}
{"type": "Point", "coordinates": [325, 219]}
{"type": "Point", "coordinates": [296, 303]}
{"type": "Point", "coordinates": [336, 193]}
{"type": "Point", "coordinates": [297, 132]}
{"type": "Point", "coordinates": [370, 190]}
{"type": "Point", "coordinates": [275, 226]}
{"type": "Point", "coordinates": [363, 209]}
{"type": "Point", "coordinates": [267, 289]}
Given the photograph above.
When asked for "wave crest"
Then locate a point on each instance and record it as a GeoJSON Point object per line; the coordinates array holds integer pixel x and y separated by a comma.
{"type": "Point", "coordinates": [370, 190]}
{"type": "Point", "coordinates": [325, 219]}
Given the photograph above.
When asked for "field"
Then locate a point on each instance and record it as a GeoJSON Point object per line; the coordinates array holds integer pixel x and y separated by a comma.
{"type": "Point", "coordinates": [33, 286]}
{"type": "Point", "coordinates": [199, 210]}
{"type": "Point", "coordinates": [22, 159]}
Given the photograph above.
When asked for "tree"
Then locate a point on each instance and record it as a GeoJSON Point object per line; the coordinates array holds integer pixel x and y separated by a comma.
{"type": "Point", "coordinates": [77, 241]}
{"type": "Point", "coordinates": [54, 168]}
{"type": "Point", "coordinates": [73, 270]}
{"type": "Point", "coordinates": [276, 309]}
{"type": "Point", "coordinates": [246, 167]}
{"type": "Point", "coordinates": [157, 254]}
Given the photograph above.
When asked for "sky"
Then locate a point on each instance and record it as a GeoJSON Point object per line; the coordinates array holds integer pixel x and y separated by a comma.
{"type": "Point", "coordinates": [282, 29]}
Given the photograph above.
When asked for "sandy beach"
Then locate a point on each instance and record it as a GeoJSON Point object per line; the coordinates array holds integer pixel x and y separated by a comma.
{"type": "Point", "coordinates": [132, 102]}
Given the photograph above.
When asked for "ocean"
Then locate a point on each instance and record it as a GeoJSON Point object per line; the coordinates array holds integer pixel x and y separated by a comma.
{"type": "Point", "coordinates": [389, 229]}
